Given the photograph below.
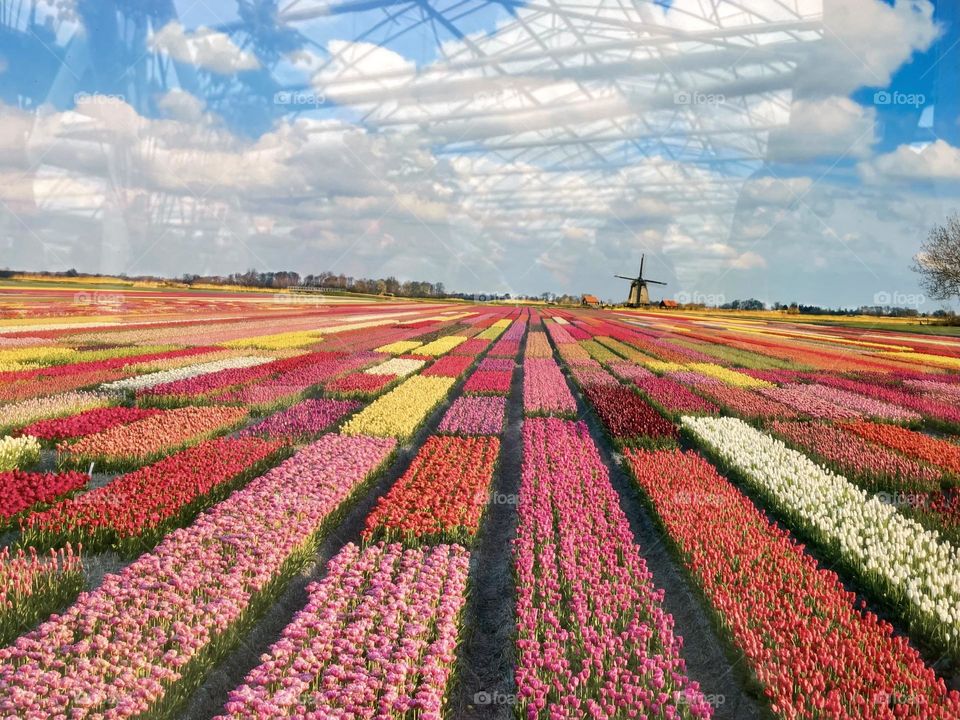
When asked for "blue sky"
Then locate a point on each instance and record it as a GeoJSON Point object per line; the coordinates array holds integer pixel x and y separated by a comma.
{"type": "Point", "coordinates": [788, 151]}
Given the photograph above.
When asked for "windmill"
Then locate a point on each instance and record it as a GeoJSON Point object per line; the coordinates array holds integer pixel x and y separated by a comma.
{"type": "Point", "coordinates": [638, 287]}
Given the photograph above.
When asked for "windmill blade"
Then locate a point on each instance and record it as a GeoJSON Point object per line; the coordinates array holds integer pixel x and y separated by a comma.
{"type": "Point", "coordinates": [624, 277]}
{"type": "Point", "coordinates": [654, 282]}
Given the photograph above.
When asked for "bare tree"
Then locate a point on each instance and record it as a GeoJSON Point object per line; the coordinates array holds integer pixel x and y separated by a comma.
{"type": "Point", "coordinates": [938, 261]}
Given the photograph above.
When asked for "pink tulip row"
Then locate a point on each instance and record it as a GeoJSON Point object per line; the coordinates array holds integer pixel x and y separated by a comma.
{"type": "Point", "coordinates": [745, 404]}
{"type": "Point", "coordinates": [943, 410]}
{"type": "Point", "coordinates": [475, 415]}
{"type": "Point", "coordinates": [122, 650]}
{"type": "Point", "coordinates": [631, 372]}
{"type": "Point", "coordinates": [33, 586]}
{"type": "Point", "coordinates": [593, 639]}
{"type": "Point", "coordinates": [377, 638]}
{"type": "Point", "coordinates": [674, 398]}
{"type": "Point", "coordinates": [808, 401]}
{"type": "Point", "coordinates": [545, 390]}
{"type": "Point", "coordinates": [302, 421]}
{"type": "Point", "coordinates": [869, 464]}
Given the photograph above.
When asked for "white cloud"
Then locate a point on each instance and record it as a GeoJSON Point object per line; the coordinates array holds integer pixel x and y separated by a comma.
{"type": "Point", "coordinates": [181, 105]}
{"type": "Point", "coordinates": [781, 192]}
{"type": "Point", "coordinates": [204, 48]}
{"type": "Point", "coordinates": [748, 260]}
{"type": "Point", "coordinates": [937, 161]}
{"type": "Point", "coordinates": [829, 127]}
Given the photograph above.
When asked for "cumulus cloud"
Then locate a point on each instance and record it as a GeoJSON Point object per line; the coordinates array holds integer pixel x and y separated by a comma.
{"type": "Point", "coordinates": [937, 161]}
{"type": "Point", "coordinates": [181, 105]}
{"type": "Point", "coordinates": [829, 127]}
{"type": "Point", "coordinates": [204, 48]}
{"type": "Point", "coordinates": [781, 192]}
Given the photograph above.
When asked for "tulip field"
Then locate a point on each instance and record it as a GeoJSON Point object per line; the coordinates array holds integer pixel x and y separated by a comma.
{"type": "Point", "coordinates": [251, 505]}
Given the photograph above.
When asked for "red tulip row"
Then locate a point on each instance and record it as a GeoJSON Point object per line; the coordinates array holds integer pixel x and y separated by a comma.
{"type": "Point", "coordinates": [940, 453]}
{"type": "Point", "coordinates": [358, 384]}
{"type": "Point", "coordinates": [133, 511]}
{"type": "Point", "coordinates": [86, 423]}
{"type": "Point", "coordinates": [442, 495]}
{"type": "Point", "coordinates": [20, 491]}
{"type": "Point", "coordinates": [489, 382]}
{"type": "Point", "coordinates": [813, 650]}
{"type": "Point", "coordinates": [450, 366]}
{"type": "Point", "coordinates": [745, 404]}
{"type": "Point", "coordinates": [628, 418]}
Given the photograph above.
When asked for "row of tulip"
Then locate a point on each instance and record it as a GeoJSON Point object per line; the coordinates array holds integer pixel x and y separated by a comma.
{"type": "Point", "coordinates": [358, 384]}
{"type": "Point", "coordinates": [475, 415]}
{"type": "Point", "coordinates": [399, 347]}
{"type": "Point", "coordinates": [17, 415]}
{"type": "Point", "coordinates": [32, 586]}
{"type": "Point", "coordinates": [871, 466]}
{"type": "Point", "coordinates": [441, 345]}
{"type": "Point", "coordinates": [442, 495]}
{"type": "Point", "coordinates": [149, 634]}
{"type": "Point", "coordinates": [162, 377]}
{"type": "Point", "coordinates": [745, 404]}
{"type": "Point", "coordinates": [814, 652]}
{"type": "Point", "coordinates": [277, 341]}
{"type": "Point", "coordinates": [21, 491]}
{"type": "Point", "coordinates": [397, 367]}
{"type": "Point", "coordinates": [673, 398]}
{"type": "Point", "coordinates": [593, 639]}
{"type": "Point", "coordinates": [913, 569]}
{"type": "Point", "coordinates": [18, 452]}
{"type": "Point", "coordinates": [489, 382]}
{"type": "Point", "coordinates": [450, 366]}
{"type": "Point", "coordinates": [939, 453]}
{"type": "Point", "coordinates": [86, 422]}
{"type": "Point", "coordinates": [538, 346]}
{"type": "Point", "coordinates": [472, 347]}
{"type": "Point", "coordinates": [125, 446]}
{"type": "Point", "coordinates": [303, 421]}
{"type": "Point", "coordinates": [132, 511]}
{"type": "Point", "coordinates": [937, 412]}
{"type": "Point", "coordinates": [402, 410]}
{"type": "Point", "coordinates": [545, 390]}
{"type": "Point", "coordinates": [377, 638]}
{"type": "Point", "coordinates": [628, 418]}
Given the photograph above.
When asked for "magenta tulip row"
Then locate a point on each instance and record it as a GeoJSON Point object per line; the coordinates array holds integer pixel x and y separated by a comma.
{"type": "Point", "coordinates": [545, 390]}
{"type": "Point", "coordinates": [128, 647]}
{"type": "Point", "coordinates": [592, 635]}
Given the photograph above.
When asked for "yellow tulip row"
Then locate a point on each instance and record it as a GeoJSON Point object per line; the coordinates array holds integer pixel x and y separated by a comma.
{"type": "Point", "coordinates": [399, 347]}
{"type": "Point", "coordinates": [442, 345]}
{"type": "Point", "coordinates": [730, 377]}
{"type": "Point", "coordinates": [399, 413]}
{"type": "Point", "coordinates": [277, 341]}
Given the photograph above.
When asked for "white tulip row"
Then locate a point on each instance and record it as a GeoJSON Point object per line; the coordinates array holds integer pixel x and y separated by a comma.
{"type": "Point", "coordinates": [913, 566]}
{"type": "Point", "coordinates": [17, 451]}
{"type": "Point", "coordinates": [164, 376]}
{"type": "Point", "coordinates": [396, 366]}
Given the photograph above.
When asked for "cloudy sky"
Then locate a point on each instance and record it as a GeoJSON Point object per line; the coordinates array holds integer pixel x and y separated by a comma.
{"type": "Point", "coordinates": [793, 150]}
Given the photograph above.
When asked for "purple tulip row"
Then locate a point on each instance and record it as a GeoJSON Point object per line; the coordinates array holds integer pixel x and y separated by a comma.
{"type": "Point", "coordinates": [132, 646]}
{"type": "Point", "coordinates": [593, 638]}
{"type": "Point", "coordinates": [377, 638]}
{"type": "Point", "coordinates": [475, 415]}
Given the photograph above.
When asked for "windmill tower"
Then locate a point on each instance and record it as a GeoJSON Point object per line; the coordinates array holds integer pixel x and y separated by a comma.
{"type": "Point", "coordinates": [639, 295]}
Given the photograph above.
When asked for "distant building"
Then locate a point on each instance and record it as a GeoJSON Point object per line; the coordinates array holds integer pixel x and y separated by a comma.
{"type": "Point", "coordinates": [589, 301]}
{"type": "Point", "coordinates": [669, 304]}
